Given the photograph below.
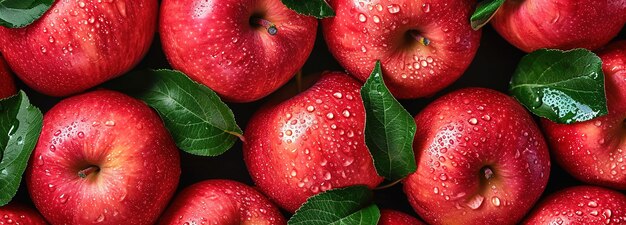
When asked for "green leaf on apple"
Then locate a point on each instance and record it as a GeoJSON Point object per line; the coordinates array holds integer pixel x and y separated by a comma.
{"type": "Point", "coordinates": [21, 13]}
{"type": "Point", "coordinates": [20, 126]}
{"type": "Point", "coordinates": [315, 8]}
{"type": "Point", "coordinates": [389, 129]}
{"type": "Point", "coordinates": [344, 206]}
{"type": "Point", "coordinates": [485, 10]}
{"type": "Point", "coordinates": [198, 120]}
{"type": "Point", "coordinates": [562, 86]}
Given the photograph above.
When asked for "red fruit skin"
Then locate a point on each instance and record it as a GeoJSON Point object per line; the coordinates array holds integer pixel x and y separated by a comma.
{"type": "Point", "coordinates": [562, 24]}
{"type": "Point", "coordinates": [138, 160]}
{"type": "Point", "coordinates": [411, 69]}
{"type": "Point", "coordinates": [217, 46]}
{"type": "Point", "coordinates": [18, 214]}
{"type": "Point", "coordinates": [222, 202]}
{"type": "Point", "coordinates": [392, 217]}
{"type": "Point", "coordinates": [594, 151]}
{"type": "Point", "coordinates": [581, 205]}
{"type": "Point", "coordinates": [460, 134]}
{"type": "Point", "coordinates": [7, 86]}
{"type": "Point", "coordinates": [310, 143]}
{"type": "Point", "coordinates": [72, 48]}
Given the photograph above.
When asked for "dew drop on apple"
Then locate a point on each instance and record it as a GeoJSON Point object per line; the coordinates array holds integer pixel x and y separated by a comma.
{"type": "Point", "coordinates": [62, 199]}
{"type": "Point", "coordinates": [376, 19]}
{"type": "Point", "coordinates": [40, 160]}
{"type": "Point", "coordinates": [426, 7]}
{"type": "Point", "coordinates": [495, 201]}
{"type": "Point", "coordinates": [476, 201]}
{"type": "Point", "coordinates": [362, 18]}
{"type": "Point", "coordinates": [109, 123]}
{"type": "Point", "coordinates": [393, 8]}
{"type": "Point", "coordinates": [330, 116]}
{"type": "Point", "coordinates": [473, 121]}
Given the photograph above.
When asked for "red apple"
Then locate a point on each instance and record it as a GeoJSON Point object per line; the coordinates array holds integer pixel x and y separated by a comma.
{"type": "Point", "coordinates": [392, 217]}
{"type": "Point", "coordinates": [102, 157]}
{"type": "Point", "coordinates": [79, 44]}
{"type": "Point", "coordinates": [560, 24]}
{"type": "Point", "coordinates": [481, 160]}
{"type": "Point", "coordinates": [310, 143]}
{"type": "Point", "coordinates": [243, 50]}
{"type": "Point", "coordinates": [222, 202]}
{"type": "Point", "coordinates": [424, 46]}
{"type": "Point", "coordinates": [7, 87]}
{"type": "Point", "coordinates": [580, 205]}
{"type": "Point", "coordinates": [18, 214]}
{"type": "Point", "coordinates": [595, 151]}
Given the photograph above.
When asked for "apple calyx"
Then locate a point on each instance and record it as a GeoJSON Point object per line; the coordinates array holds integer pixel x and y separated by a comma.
{"type": "Point", "coordinates": [269, 26]}
{"type": "Point", "coordinates": [421, 39]}
{"type": "Point", "coordinates": [487, 172]}
{"type": "Point", "coordinates": [89, 170]}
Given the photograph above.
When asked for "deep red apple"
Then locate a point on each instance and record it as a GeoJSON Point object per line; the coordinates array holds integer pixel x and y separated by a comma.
{"type": "Point", "coordinates": [392, 217]}
{"type": "Point", "coordinates": [243, 50]}
{"type": "Point", "coordinates": [560, 24]}
{"type": "Point", "coordinates": [595, 151]}
{"type": "Point", "coordinates": [310, 143]}
{"type": "Point", "coordinates": [79, 44]}
{"type": "Point", "coordinates": [102, 157]}
{"type": "Point", "coordinates": [7, 87]}
{"type": "Point", "coordinates": [18, 214]}
{"type": "Point", "coordinates": [481, 160]}
{"type": "Point", "coordinates": [424, 46]}
{"type": "Point", "coordinates": [222, 202]}
{"type": "Point", "coordinates": [580, 205]}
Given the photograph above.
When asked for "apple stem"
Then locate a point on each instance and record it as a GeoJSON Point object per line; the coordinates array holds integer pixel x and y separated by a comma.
{"type": "Point", "coordinates": [488, 173]}
{"type": "Point", "coordinates": [89, 170]}
{"type": "Point", "coordinates": [271, 28]}
{"type": "Point", "coordinates": [421, 39]}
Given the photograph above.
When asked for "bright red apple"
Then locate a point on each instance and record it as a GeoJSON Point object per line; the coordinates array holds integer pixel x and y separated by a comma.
{"type": "Point", "coordinates": [18, 214]}
{"type": "Point", "coordinates": [222, 202]}
{"type": "Point", "coordinates": [243, 50]}
{"type": "Point", "coordinates": [79, 44]}
{"type": "Point", "coordinates": [481, 160]}
{"type": "Point", "coordinates": [595, 151]}
{"type": "Point", "coordinates": [392, 217]}
{"type": "Point", "coordinates": [580, 205]}
{"type": "Point", "coordinates": [310, 143]}
{"type": "Point", "coordinates": [560, 24]}
{"type": "Point", "coordinates": [424, 46]}
{"type": "Point", "coordinates": [102, 157]}
{"type": "Point", "coordinates": [7, 87]}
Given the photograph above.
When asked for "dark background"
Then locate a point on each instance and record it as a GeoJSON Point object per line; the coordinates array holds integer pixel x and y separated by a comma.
{"type": "Point", "coordinates": [492, 67]}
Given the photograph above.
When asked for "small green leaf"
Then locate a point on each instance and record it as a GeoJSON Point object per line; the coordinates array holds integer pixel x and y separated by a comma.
{"type": "Point", "coordinates": [345, 206]}
{"type": "Point", "coordinates": [389, 129]}
{"type": "Point", "coordinates": [199, 122]}
{"type": "Point", "coordinates": [20, 126]}
{"type": "Point", "coordinates": [316, 8]}
{"type": "Point", "coordinates": [21, 13]}
{"type": "Point", "coordinates": [485, 10]}
{"type": "Point", "coordinates": [563, 86]}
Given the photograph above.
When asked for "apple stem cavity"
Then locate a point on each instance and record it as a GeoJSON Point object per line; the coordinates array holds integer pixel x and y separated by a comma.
{"type": "Point", "coordinates": [89, 170]}
{"type": "Point", "coordinates": [421, 39]}
{"type": "Point", "coordinates": [487, 172]}
{"type": "Point", "coordinates": [269, 26]}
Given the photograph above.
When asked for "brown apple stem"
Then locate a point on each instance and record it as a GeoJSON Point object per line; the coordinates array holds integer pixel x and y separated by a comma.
{"type": "Point", "coordinates": [421, 39]}
{"type": "Point", "coordinates": [89, 170]}
{"type": "Point", "coordinates": [487, 172]}
{"type": "Point", "coordinates": [271, 28]}
{"type": "Point", "coordinates": [388, 185]}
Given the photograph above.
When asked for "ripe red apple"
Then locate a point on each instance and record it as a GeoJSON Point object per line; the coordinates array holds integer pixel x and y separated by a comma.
{"type": "Point", "coordinates": [7, 87]}
{"type": "Point", "coordinates": [102, 157]}
{"type": "Point", "coordinates": [481, 160]}
{"type": "Point", "coordinates": [560, 24]}
{"type": "Point", "coordinates": [310, 143]}
{"type": "Point", "coordinates": [392, 217]}
{"type": "Point", "coordinates": [18, 214]}
{"type": "Point", "coordinates": [243, 50]}
{"type": "Point", "coordinates": [424, 46]}
{"type": "Point", "coordinates": [222, 202]}
{"type": "Point", "coordinates": [595, 151]}
{"type": "Point", "coordinates": [79, 44]}
{"type": "Point", "coordinates": [580, 205]}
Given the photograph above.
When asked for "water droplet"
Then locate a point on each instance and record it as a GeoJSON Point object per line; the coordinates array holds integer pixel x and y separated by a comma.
{"type": "Point", "coordinates": [495, 201]}
{"type": "Point", "coordinates": [81, 4]}
{"type": "Point", "coordinates": [327, 176]}
{"type": "Point", "coordinates": [346, 113]}
{"type": "Point", "coordinates": [62, 199]}
{"type": "Point", "coordinates": [330, 116]}
{"type": "Point", "coordinates": [294, 173]}
{"type": "Point", "coordinates": [338, 95]}
{"type": "Point", "coordinates": [592, 204]}
{"type": "Point", "coordinates": [376, 19]}
{"type": "Point", "coordinates": [393, 8]}
{"type": "Point", "coordinates": [362, 17]}
{"type": "Point", "coordinates": [348, 162]}
{"type": "Point", "coordinates": [109, 123]}
{"type": "Point", "coordinates": [426, 7]}
{"type": "Point", "coordinates": [475, 202]}
{"type": "Point", "coordinates": [100, 218]}
{"type": "Point", "coordinates": [436, 190]}
{"type": "Point", "coordinates": [310, 108]}
{"type": "Point", "coordinates": [57, 133]}
{"type": "Point", "coordinates": [443, 177]}
{"type": "Point", "coordinates": [473, 121]}
{"type": "Point", "coordinates": [81, 134]}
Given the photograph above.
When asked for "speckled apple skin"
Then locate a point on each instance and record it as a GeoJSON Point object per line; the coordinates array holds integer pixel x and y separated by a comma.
{"type": "Point", "coordinates": [222, 202]}
{"type": "Point", "coordinates": [18, 214]}
{"type": "Point", "coordinates": [310, 143]}
{"type": "Point", "coordinates": [364, 32]}
{"type": "Point", "coordinates": [215, 44]}
{"type": "Point", "coordinates": [77, 45]}
{"type": "Point", "coordinates": [139, 162]}
{"type": "Point", "coordinates": [562, 24]}
{"type": "Point", "coordinates": [594, 151]}
{"type": "Point", "coordinates": [7, 85]}
{"type": "Point", "coordinates": [463, 132]}
{"type": "Point", "coordinates": [392, 217]}
{"type": "Point", "coordinates": [581, 205]}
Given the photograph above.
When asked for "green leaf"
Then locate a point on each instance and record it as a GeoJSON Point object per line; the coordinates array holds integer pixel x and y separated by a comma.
{"type": "Point", "coordinates": [563, 86]}
{"type": "Point", "coordinates": [199, 122]}
{"type": "Point", "coordinates": [21, 13]}
{"type": "Point", "coordinates": [485, 10]}
{"type": "Point", "coordinates": [20, 126]}
{"type": "Point", "coordinates": [316, 8]}
{"type": "Point", "coordinates": [389, 129]}
{"type": "Point", "coordinates": [346, 206]}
